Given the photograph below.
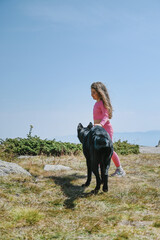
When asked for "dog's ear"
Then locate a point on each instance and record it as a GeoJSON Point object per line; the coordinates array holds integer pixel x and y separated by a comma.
{"type": "Point", "coordinates": [90, 125]}
{"type": "Point", "coordinates": [80, 126]}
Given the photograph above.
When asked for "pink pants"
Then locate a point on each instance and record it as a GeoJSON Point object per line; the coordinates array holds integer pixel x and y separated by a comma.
{"type": "Point", "coordinates": [115, 158]}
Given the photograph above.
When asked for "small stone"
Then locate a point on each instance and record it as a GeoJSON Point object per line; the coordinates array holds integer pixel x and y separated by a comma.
{"type": "Point", "coordinates": [25, 156]}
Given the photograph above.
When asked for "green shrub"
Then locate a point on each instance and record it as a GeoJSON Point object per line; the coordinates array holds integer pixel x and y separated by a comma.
{"type": "Point", "coordinates": [125, 148]}
{"type": "Point", "coordinates": [36, 146]}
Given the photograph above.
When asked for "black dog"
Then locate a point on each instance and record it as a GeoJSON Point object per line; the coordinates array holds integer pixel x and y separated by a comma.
{"type": "Point", "coordinates": [98, 150]}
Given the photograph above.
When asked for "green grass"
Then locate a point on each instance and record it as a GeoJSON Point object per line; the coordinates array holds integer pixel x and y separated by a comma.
{"type": "Point", "coordinates": [53, 205]}
{"type": "Point", "coordinates": [27, 215]}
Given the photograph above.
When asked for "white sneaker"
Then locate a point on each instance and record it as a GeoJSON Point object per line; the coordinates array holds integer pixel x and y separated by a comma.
{"type": "Point", "coordinates": [119, 172]}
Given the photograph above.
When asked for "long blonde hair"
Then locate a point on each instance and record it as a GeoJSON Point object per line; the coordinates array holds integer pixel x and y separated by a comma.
{"type": "Point", "coordinates": [104, 96]}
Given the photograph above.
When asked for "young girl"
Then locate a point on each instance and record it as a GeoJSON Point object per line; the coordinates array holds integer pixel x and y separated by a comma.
{"type": "Point", "coordinates": [102, 112]}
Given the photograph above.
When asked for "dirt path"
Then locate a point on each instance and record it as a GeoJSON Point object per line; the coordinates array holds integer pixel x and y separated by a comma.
{"type": "Point", "coordinates": [144, 149]}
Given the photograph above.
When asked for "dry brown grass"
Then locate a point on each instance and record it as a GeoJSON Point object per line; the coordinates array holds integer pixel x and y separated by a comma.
{"type": "Point", "coordinates": [53, 205]}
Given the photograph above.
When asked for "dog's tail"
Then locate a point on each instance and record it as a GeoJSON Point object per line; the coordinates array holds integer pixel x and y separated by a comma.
{"type": "Point", "coordinates": [101, 142]}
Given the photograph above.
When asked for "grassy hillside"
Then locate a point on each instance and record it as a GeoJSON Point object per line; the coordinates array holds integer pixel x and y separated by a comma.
{"type": "Point", "coordinates": [53, 205]}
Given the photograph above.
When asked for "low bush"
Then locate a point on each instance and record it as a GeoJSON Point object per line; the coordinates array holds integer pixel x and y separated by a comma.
{"type": "Point", "coordinates": [125, 148]}
{"type": "Point", "coordinates": [36, 146]}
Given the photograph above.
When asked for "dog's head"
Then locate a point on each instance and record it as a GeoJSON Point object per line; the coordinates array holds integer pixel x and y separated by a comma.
{"type": "Point", "coordinates": [83, 131]}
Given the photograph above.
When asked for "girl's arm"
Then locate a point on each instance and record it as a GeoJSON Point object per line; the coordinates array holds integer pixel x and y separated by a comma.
{"type": "Point", "coordinates": [105, 115]}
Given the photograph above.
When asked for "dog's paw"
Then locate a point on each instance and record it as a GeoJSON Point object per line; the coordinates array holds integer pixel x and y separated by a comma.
{"type": "Point", "coordinates": [95, 191]}
{"type": "Point", "coordinates": [85, 185]}
{"type": "Point", "coordinates": [105, 189]}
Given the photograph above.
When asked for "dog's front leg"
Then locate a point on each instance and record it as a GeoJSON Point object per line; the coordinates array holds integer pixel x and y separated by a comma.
{"type": "Point", "coordinates": [89, 174]}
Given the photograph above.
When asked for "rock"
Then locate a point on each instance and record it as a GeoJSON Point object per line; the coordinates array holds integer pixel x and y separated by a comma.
{"type": "Point", "coordinates": [8, 168]}
{"type": "Point", "coordinates": [49, 167]}
{"type": "Point", "coordinates": [158, 144]}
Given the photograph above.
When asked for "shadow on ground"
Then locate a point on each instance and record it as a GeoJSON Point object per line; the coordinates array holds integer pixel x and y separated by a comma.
{"type": "Point", "coordinates": [71, 191]}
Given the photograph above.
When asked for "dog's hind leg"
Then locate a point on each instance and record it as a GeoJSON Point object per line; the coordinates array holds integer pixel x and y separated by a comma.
{"type": "Point", "coordinates": [102, 168]}
{"type": "Point", "coordinates": [89, 174]}
{"type": "Point", "coordinates": [106, 160]}
{"type": "Point", "coordinates": [98, 180]}
{"type": "Point", "coordinates": [105, 184]}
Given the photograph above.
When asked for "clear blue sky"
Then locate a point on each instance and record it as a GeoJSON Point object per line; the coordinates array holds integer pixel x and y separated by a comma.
{"type": "Point", "coordinates": [52, 50]}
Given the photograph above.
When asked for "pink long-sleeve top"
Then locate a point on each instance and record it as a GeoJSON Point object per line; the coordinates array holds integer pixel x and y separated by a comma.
{"type": "Point", "coordinates": [101, 113]}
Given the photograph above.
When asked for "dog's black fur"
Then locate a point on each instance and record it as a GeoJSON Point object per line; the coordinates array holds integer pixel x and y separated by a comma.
{"type": "Point", "coordinates": [98, 150]}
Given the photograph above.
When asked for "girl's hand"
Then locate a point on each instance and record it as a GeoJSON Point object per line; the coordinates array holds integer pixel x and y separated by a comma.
{"type": "Point", "coordinates": [97, 124]}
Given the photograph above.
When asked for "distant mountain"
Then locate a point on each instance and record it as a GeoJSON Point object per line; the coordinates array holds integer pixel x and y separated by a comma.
{"type": "Point", "coordinates": [149, 138]}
